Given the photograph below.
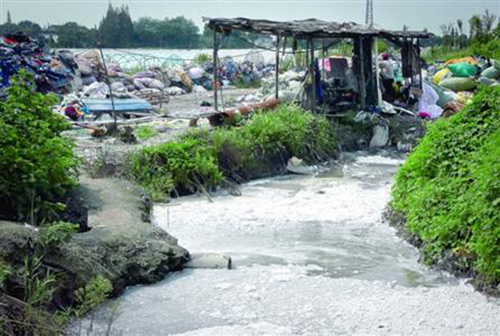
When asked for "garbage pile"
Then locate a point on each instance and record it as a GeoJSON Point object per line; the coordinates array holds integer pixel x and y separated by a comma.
{"type": "Point", "coordinates": [453, 83]}
{"type": "Point", "coordinates": [52, 73]}
{"type": "Point", "coordinates": [289, 85]}
{"type": "Point", "coordinates": [62, 72]}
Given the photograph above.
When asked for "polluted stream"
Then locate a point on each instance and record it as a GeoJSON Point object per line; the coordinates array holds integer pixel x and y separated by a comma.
{"type": "Point", "coordinates": [312, 255]}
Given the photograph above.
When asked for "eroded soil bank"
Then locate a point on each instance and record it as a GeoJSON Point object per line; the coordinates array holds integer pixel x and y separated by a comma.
{"type": "Point", "coordinates": [122, 245]}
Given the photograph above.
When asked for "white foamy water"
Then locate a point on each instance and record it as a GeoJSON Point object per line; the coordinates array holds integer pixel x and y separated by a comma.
{"type": "Point", "coordinates": [312, 256]}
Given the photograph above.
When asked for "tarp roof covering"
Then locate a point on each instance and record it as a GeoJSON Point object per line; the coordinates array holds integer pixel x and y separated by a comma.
{"type": "Point", "coordinates": [310, 28]}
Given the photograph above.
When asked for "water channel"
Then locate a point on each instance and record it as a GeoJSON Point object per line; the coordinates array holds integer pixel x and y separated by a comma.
{"type": "Point", "coordinates": [312, 256]}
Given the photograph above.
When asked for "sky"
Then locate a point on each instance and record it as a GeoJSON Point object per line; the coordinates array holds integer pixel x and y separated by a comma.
{"type": "Point", "coordinates": [388, 14]}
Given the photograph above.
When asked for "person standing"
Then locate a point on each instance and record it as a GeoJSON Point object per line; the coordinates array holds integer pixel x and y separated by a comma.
{"type": "Point", "coordinates": [387, 75]}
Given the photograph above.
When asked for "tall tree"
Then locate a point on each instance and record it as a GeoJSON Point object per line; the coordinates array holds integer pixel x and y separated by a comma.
{"type": "Point", "coordinates": [125, 27]}
{"type": "Point", "coordinates": [460, 25]}
{"type": "Point", "coordinates": [72, 35]}
{"type": "Point", "coordinates": [9, 20]}
{"type": "Point", "coordinates": [29, 28]}
{"type": "Point", "coordinates": [148, 33]}
{"type": "Point", "coordinates": [488, 20]}
{"type": "Point", "coordinates": [109, 33]}
{"type": "Point", "coordinates": [476, 26]}
{"type": "Point", "coordinates": [180, 32]}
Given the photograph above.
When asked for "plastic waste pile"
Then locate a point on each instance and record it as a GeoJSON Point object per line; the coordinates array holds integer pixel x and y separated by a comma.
{"type": "Point", "coordinates": [455, 81]}
{"type": "Point", "coordinates": [52, 73]}
{"type": "Point", "coordinates": [289, 85]}
{"type": "Point", "coordinates": [157, 84]}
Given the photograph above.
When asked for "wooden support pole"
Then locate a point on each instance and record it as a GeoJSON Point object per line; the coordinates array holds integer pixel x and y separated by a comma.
{"type": "Point", "coordinates": [307, 96]}
{"type": "Point", "coordinates": [216, 80]}
{"type": "Point", "coordinates": [115, 121]}
{"type": "Point", "coordinates": [419, 64]}
{"type": "Point", "coordinates": [325, 55]}
{"type": "Point", "coordinates": [313, 77]}
{"type": "Point", "coordinates": [277, 67]}
{"type": "Point", "coordinates": [362, 85]}
{"type": "Point", "coordinates": [377, 72]}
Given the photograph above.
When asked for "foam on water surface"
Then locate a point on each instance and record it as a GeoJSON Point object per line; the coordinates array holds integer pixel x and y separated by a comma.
{"type": "Point", "coordinates": [312, 256]}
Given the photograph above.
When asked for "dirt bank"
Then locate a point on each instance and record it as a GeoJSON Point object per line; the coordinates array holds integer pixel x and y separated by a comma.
{"type": "Point", "coordinates": [123, 245]}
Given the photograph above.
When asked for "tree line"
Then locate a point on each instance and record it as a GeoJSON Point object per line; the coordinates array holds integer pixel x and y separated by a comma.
{"type": "Point", "coordinates": [483, 37]}
{"type": "Point", "coordinates": [118, 30]}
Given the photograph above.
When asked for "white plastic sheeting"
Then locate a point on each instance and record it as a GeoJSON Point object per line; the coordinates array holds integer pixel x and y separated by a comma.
{"type": "Point", "coordinates": [428, 102]}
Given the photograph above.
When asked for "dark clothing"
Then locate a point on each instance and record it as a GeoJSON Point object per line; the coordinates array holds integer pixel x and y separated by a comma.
{"type": "Point", "coordinates": [389, 94]}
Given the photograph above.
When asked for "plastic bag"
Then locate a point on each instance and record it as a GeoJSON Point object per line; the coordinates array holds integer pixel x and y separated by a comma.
{"type": "Point", "coordinates": [487, 81]}
{"type": "Point", "coordinates": [428, 102]}
{"type": "Point", "coordinates": [491, 72]}
{"type": "Point", "coordinates": [458, 84]}
{"type": "Point", "coordinates": [463, 70]}
{"type": "Point", "coordinates": [440, 75]}
{"type": "Point", "coordinates": [469, 60]}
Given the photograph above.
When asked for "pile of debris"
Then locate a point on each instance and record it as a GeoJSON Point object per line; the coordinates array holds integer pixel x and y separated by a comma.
{"type": "Point", "coordinates": [62, 72]}
{"type": "Point", "coordinates": [454, 82]}
{"type": "Point", "coordinates": [52, 73]}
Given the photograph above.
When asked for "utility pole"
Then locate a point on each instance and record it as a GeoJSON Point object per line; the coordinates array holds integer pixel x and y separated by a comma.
{"type": "Point", "coordinates": [369, 13]}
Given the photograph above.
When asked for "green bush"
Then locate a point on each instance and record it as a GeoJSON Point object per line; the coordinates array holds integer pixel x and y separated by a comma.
{"type": "Point", "coordinates": [92, 295]}
{"type": "Point", "coordinates": [37, 165]}
{"type": "Point", "coordinates": [175, 166]}
{"type": "Point", "coordinates": [56, 233]}
{"type": "Point", "coordinates": [449, 189]}
{"type": "Point", "coordinates": [199, 159]}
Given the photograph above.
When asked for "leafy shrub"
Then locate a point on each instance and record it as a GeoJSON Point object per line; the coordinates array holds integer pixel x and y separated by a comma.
{"type": "Point", "coordinates": [92, 295]}
{"type": "Point", "coordinates": [449, 189]}
{"type": "Point", "coordinates": [56, 233]}
{"type": "Point", "coordinates": [5, 272]}
{"type": "Point", "coordinates": [37, 165]}
{"type": "Point", "coordinates": [187, 165]}
{"type": "Point", "coordinates": [299, 132]}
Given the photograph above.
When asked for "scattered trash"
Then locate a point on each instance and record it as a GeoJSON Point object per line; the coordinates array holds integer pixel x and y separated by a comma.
{"type": "Point", "coordinates": [458, 84]}
{"type": "Point", "coordinates": [428, 103]}
{"type": "Point", "coordinates": [299, 167]}
{"type": "Point", "coordinates": [52, 73]}
{"type": "Point", "coordinates": [463, 69]}
{"type": "Point", "coordinates": [380, 136]}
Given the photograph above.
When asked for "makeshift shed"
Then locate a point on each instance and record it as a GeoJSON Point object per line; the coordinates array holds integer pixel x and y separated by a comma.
{"type": "Point", "coordinates": [313, 32]}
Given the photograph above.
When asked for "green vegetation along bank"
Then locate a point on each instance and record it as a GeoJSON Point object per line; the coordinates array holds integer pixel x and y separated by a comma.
{"type": "Point", "coordinates": [66, 242]}
{"type": "Point", "coordinates": [448, 192]}
{"type": "Point", "coordinates": [259, 147]}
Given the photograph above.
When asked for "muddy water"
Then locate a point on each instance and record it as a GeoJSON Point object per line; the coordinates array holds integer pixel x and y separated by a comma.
{"type": "Point", "coordinates": [312, 256]}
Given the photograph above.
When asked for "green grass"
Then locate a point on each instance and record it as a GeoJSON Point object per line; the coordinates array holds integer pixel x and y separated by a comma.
{"type": "Point", "coordinates": [490, 49]}
{"type": "Point", "coordinates": [145, 132]}
{"type": "Point", "coordinates": [175, 166]}
{"type": "Point", "coordinates": [445, 54]}
{"type": "Point", "coordinates": [449, 188]}
{"type": "Point", "coordinates": [200, 160]}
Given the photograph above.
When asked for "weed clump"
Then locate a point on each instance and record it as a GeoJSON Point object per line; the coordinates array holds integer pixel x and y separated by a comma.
{"type": "Point", "coordinates": [145, 132]}
{"type": "Point", "coordinates": [200, 160]}
{"type": "Point", "coordinates": [179, 167]}
{"type": "Point", "coordinates": [449, 189]}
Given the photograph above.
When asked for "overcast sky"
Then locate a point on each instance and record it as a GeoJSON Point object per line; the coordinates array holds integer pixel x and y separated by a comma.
{"type": "Point", "coordinates": [390, 14]}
